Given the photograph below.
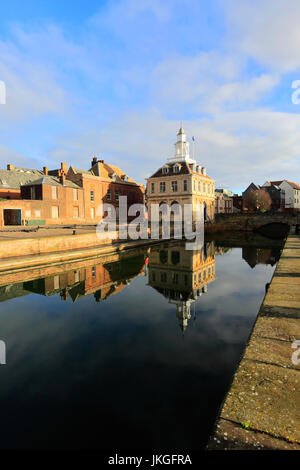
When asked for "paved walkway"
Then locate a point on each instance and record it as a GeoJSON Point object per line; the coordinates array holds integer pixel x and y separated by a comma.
{"type": "Point", "coordinates": [262, 407]}
{"type": "Point", "coordinates": [17, 232]}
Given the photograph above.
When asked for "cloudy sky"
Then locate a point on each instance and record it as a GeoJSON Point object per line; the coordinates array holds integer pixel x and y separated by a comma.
{"type": "Point", "coordinates": [114, 79]}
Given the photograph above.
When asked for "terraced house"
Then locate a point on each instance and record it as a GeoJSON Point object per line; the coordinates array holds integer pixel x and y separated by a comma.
{"type": "Point", "coordinates": [182, 181]}
{"type": "Point", "coordinates": [63, 196]}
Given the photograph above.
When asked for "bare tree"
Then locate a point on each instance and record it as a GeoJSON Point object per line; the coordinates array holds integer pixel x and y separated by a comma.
{"type": "Point", "coordinates": [258, 201]}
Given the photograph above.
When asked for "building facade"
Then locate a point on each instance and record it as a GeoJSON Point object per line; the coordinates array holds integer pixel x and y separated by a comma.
{"type": "Point", "coordinates": [63, 196]}
{"type": "Point", "coordinates": [223, 202]}
{"type": "Point", "coordinates": [182, 181]}
{"type": "Point", "coordinates": [291, 194]}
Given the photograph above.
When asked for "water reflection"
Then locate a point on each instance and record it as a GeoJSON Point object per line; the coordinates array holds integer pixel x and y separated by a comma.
{"type": "Point", "coordinates": [254, 256]}
{"type": "Point", "coordinates": [181, 276]}
{"type": "Point", "coordinates": [90, 277]}
{"type": "Point", "coordinates": [97, 341]}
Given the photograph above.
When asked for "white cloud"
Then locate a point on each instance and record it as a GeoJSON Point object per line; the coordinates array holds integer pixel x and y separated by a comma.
{"type": "Point", "coordinates": [267, 30]}
{"type": "Point", "coordinates": [8, 155]}
{"type": "Point", "coordinates": [236, 147]}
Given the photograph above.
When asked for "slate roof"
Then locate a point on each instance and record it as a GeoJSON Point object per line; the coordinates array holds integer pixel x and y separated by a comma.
{"type": "Point", "coordinates": [52, 181]}
{"type": "Point", "coordinates": [184, 169]}
{"type": "Point", "coordinates": [14, 179]}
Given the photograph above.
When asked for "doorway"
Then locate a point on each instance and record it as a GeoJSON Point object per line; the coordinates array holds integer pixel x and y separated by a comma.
{"type": "Point", "coordinates": [12, 216]}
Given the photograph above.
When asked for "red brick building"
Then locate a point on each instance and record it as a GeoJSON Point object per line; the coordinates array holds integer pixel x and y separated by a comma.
{"type": "Point", "coordinates": [62, 196]}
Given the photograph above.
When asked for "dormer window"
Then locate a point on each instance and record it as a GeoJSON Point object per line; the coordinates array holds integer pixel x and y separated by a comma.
{"type": "Point", "coordinates": [113, 176]}
{"type": "Point", "coordinates": [176, 168]}
{"type": "Point", "coordinates": [165, 170]}
{"type": "Point", "coordinates": [125, 178]}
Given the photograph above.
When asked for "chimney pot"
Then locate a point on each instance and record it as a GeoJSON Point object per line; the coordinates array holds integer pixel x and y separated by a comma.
{"type": "Point", "coordinates": [64, 168]}
{"type": "Point", "coordinates": [94, 161]}
{"type": "Point", "coordinates": [45, 170]}
{"type": "Point", "coordinates": [10, 167]}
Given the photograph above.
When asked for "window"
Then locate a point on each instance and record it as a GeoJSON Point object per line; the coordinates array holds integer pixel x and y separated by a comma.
{"type": "Point", "coordinates": [75, 212]}
{"type": "Point", "coordinates": [32, 192]}
{"type": "Point", "coordinates": [163, 277]}
{"type": "Point", "coordinates": [54, 212]}
{"type": "Point", "coordinates": [117, 193]}
{"type": "Point", "coordinates": [92, 196]}
{"type": "Point", "coordinates": [27, 214]}
{"type": "Point", "coordinates": [199, 186]}
{"type": "Point", "coordinates": [108, 195]}
{"type": "Point", "coordinates": [54, 192]}
{"type": "Point", "coordinates": [152, 187]}
{"type": "Point", "coordinates": [56, 282]}
{"type": "Point", "coordinates": [75, 194]}
{"type": "Point", "coordinates": [204, 187]}
{"type": "Point", "coordinates": [194, 185]}
{"type": "Point", "coordinates": [176, 169]}
{"type": "Point", "coordinates": [174, 186]}
{"type": "Point", "coordinates": [184, 185]}
{"type": "Point", "coordinates": [162, 187]}
{"type": "Point", "coordinates": [175, 278]}
{"type": "Point", "coordinates": [93, 271]}
{"type": "Point", "coordinates": [37, 213]}
{"type": "Point", "coordinates": [165, 170]}
{"type": "Point", "coordinates": [92, 212]}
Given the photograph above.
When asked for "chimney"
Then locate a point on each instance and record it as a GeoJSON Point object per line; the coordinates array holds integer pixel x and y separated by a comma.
{"type": "Point", "coordinates": [94, 161]}
{"type": "Point", "coordinates": [10, 167]}
{"type": "Point", "coordinates": [62, 179]}
{"type": "Point", "coordinates": [64, 168]}
{"type": "Point", "coordinates": [45, 170]}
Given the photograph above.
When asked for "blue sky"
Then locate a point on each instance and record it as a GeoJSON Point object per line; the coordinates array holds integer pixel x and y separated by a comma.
{"type": "Point", "coordinates": [115, 78]}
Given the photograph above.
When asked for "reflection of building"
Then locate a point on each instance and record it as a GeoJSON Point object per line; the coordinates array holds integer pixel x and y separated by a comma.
{"type": "Point", "coordinates": [181, 275]}
{"type": "Point", "coordinates": [102, 280]}
{"type": "Point", "coordinates": [182, 181]}
{"type": "Point", "coordinates": [222, 250]}
{"type": "Point", "coordinates": [254, 256]}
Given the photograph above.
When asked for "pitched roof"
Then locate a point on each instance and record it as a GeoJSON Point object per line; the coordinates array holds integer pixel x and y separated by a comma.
{"type": "Point", "coordinates": [52, 181]}
{"type": "Point", "coordinates": [104, 170]}
{"type": "Point", "coordinates": [294, 185]}
{"type": "Point", "coordinates": [184, 169]}
{"type": "Point", "coordinates": [14, 179]}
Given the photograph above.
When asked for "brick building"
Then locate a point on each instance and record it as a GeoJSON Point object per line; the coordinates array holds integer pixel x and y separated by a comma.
{"type": "Point", "coordinates": [223, 202]}
{"type": "Point", "coordinates": [63, 196]}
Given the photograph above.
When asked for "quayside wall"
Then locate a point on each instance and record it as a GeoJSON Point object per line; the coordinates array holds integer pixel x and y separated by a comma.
{"type": "Point", "coordinates": [261, 411]}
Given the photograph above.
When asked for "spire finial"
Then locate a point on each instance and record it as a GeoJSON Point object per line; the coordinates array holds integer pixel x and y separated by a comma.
{"type": "Point", "coordinates": [181, 130]}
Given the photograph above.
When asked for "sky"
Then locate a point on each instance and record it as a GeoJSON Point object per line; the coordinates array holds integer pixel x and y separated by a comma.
{"type": "Point", "coordinates": [115, 78]}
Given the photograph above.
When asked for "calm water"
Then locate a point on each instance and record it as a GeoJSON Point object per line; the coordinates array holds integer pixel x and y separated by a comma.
{"type": "Point", "coordinates": [124, 353]}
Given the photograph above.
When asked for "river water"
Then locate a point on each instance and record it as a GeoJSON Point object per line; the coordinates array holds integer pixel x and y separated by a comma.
{"type": "Point", "coordinates": [132, 351]}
